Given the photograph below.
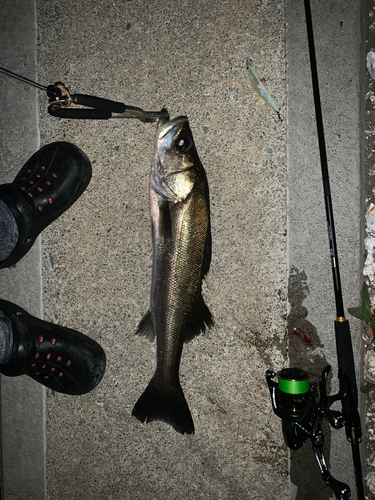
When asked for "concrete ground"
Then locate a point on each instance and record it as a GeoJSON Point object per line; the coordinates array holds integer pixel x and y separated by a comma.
{"type": "Point", "coordinates": [270, 263]}
{"type": "Point", "coordinates": [23, 441]}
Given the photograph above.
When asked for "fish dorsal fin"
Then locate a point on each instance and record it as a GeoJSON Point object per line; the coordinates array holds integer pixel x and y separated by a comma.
{"type": "Point", "coordinates": [146, 327]}
{"type": "Point", "coordinates": [201, 318]}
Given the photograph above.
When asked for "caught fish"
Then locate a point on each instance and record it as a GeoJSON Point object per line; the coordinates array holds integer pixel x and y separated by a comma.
{"type": "Point", "coordinates": [181, 241]}
{"type": "Point", "coordinates": [259, 88]}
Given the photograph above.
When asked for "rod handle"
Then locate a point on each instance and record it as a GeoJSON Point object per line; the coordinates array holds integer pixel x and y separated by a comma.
{"type": "Point", "coordinates": [345, 356]}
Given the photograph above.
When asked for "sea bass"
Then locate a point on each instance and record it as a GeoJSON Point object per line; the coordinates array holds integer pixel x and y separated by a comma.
{"type": "Point", "coordinates": [181, 242]}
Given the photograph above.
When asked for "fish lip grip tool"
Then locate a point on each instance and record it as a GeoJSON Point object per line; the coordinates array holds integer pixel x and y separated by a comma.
{"type": "Point", "coordinates": [96, 108]}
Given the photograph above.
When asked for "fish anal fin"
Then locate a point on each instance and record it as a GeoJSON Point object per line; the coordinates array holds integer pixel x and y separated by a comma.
{"type": "Point", "coordinates": [146, 327]}
{"type": "Point", "coordinates": [201, 318]}
{"type": "Point", "coordinates": [207, 253]}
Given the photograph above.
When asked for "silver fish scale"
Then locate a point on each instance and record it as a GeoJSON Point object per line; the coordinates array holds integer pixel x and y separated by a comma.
{"type": "Point", "coordinates": [178, 279]}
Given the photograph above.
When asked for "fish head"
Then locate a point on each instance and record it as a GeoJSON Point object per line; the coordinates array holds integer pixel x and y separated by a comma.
{"type": "Point", "coordinates": [176, 159]}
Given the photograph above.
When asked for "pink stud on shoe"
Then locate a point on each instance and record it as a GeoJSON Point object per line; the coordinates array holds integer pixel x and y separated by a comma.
{"type": "Point", "coordinates": [59, 358]}
{"type": "Point", "coordinates": [40, 339]}
{"type": "Point", "coordinates": [61, 374]}
{"type": "Point", "coordinates": [69, 363]}
{"type": "Point", "coordinates": [37, 355]}
{"type": "Point", "coordinates": [48, 356]}
{"type": "Point", "coordinates": [53, 341]}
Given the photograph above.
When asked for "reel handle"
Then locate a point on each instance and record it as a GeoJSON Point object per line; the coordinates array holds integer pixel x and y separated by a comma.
{"type": "Point", "coordinates": [341, 490]}
{"type": "Point", "coordinates": [335, 418]}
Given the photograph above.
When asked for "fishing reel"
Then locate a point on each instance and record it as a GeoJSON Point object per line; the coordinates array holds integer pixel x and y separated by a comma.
{"type": "Point", "coordinates": [302, 404]}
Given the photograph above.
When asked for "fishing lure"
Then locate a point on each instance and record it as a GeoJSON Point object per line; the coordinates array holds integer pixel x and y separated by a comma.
{"type": "Point", "coordinates": [259, 88]}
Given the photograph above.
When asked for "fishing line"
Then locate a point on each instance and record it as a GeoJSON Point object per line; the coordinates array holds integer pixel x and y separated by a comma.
{"type": "Point", "coordinates": [22, 79]}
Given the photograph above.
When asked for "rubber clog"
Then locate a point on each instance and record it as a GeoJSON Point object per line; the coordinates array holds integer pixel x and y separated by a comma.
{"type": "Point", "coordinates": [46, 186]}
{"type": "Point", "coordinates": [60, 358]}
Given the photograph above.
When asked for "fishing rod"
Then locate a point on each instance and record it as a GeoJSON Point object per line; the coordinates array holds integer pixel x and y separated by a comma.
{"type": "Point", "coordinates": [303, 404]}
{"type": "Point", "coordinates": [96, 108]}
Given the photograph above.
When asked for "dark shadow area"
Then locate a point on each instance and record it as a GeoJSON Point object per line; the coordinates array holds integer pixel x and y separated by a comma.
{"type": "Point", "coordinates": [305, 352]}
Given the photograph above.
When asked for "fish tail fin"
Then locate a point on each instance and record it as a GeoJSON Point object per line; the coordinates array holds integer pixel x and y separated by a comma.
{"type": "Point", "coordinates": [169, 406]}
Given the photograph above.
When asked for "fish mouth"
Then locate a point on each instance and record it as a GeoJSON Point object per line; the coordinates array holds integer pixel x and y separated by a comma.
{"type": "Point", "coordinates": [166, 126]}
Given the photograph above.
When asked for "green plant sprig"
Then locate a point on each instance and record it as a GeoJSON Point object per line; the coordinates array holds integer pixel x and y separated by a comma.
{"type": "Point", "coordinates": [364, 313]}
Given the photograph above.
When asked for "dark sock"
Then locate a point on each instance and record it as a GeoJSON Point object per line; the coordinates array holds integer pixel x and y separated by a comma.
{"type": "Point", "coordinates": [6, 338]}
{"type": "Point", "coordinates": [8, 231]}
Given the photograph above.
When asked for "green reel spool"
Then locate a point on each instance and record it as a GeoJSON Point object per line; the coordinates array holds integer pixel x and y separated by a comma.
{"type": "Point", "coordinates": [293, 381]}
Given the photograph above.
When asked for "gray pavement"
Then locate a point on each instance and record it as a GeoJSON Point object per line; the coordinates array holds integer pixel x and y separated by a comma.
{"type": "Point", "coordinates": [23, 441]}
{"type": "Point", "coordinates": [270, 249]}
{"type": "Point", "coordinates": [337, 34]}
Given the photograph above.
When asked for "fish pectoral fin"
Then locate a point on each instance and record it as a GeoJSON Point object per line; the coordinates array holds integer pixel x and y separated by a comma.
{"type": "Point", "coordinates": [165, 222]}
{"type": "Point", "coordinates": [146, 327]}
{"type": "Point", "coordinates": [201, 318]}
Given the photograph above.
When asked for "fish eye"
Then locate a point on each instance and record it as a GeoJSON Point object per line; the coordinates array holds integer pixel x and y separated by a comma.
{"type": "Point", "coordinates": [183, 143]}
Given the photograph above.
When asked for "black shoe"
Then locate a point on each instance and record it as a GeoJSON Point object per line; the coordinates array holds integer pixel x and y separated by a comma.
{"type": "Point", "coordinates": [59, 358]}
{"type": "Point", "coordinates": [47, 185]}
